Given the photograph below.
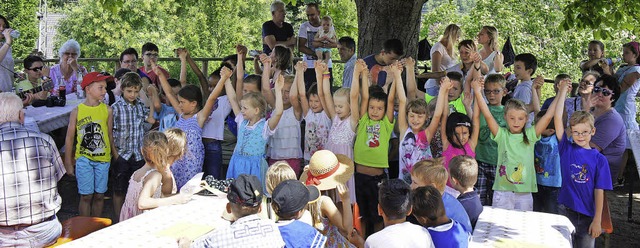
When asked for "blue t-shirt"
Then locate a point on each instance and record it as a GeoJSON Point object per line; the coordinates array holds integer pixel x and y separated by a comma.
{"type": "Point", "coordinates": [547, 162]}
{"type": "Point", "coordinates": [166, 116]}
{"type": "Point", "coordinates": [583, 171]}
{"type": "Point", "coordinates": [455, 211]}
{"type": "Point", "coordinates": [447, 235]}
{"type": "Point", "coordinates": [299, 234]}
{"type": "Point", "coordinates": [471, 203]}
{"type": "Point", "coordinates": [378, 75]}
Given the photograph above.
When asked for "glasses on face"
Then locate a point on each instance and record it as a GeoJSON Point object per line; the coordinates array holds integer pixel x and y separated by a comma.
{"type": "Point", "coordinates": [129, 62]}
{"type": "Point", "coordinates": [70, 54]}
{"type": "Point", "coordinates": [586, 82]}
{"type": "Point", "coordinates": [495, 92]}
{"type": "Point", "coordinates": [151, 55]}
{"type": "Point", "coordinates": [605, 92]}
{"type": "Point", "coordinates": [581, 134]}
{"type": "Point", "coordinates": [36, 69]}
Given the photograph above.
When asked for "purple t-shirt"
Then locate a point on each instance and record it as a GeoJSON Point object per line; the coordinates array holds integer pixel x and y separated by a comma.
{"type": "Point", "coordinates": [611, 136]}
{"type": "Point", "coordinates": [583, 171]}
{"type": "Point", "coordinates": [280, 33]}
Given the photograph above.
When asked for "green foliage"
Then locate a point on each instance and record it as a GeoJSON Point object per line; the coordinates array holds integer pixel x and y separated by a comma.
{"type": "Point", "coordinates": [22, 17]}
{"type": "Point", "coordinates": [603, 18]}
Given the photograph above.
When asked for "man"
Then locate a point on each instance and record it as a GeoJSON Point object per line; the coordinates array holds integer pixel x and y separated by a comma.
{"type": "Point", "coordinates": [277, 31]}
{"type": "Point", "coordinates": [150, 53]}
{"type": "Point", "coordinates": [306, 35]}
{"type": "Point", "coordinates": [391, 51]}
{"type": "Point", "coordinates": [31, 168]}
{"type": "Point", "coordinates": [129, 60]}
{"type": "Point", "coordinates": [347, 52]}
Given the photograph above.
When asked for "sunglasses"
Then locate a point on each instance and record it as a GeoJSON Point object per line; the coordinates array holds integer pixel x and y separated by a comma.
{"type": "Point", "coordinates": [495, 92]}
{"type": "Point", "coordinates": [36, 69]}
{"type": "Point", "coordinates": [586, 82]}
{"type": "Point", "coordinates": [605, 92]}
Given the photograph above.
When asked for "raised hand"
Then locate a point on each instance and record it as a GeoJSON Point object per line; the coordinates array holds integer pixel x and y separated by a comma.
{"type": "Point", "coordinates": [395, 68]}
{"type": "Point", "coordinates": [301, 66]}
{"type": "Point", "coordinates": [343, 191]}
{"type": "Point", "coordinates": [409, 62]}
{"type": "Point", "coordinates": [225, 72]}
{"type": "Point", "coordinates": [565, 84]}
{"type": "Point", "coordinates": [241, 50]}
{"type": "Point", "coordinates": [265, 59]}
{"type": "Point", "coordinates": [155, 68]}
{"type": "Point", "coordinates": [477, 83]}
{"type": "Point", "coordinates": [182, 53]}
{"type": "Point", "coordinates": [279, 83]}
{"type": "Point", "coordinates": [445, 84]}
{"type": "Point", "coordinates": [320, 67]}
{"type": "Point", "coordinates": [360, 66]}
{"type": "Point", "coordinates": [538, 82]}
{"type": "Point", "coordinates": [152, 90]}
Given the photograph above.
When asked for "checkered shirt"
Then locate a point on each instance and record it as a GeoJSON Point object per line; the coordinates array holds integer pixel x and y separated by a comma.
{"type": "Point", "coordinates": [31, 169]}
{"type": "Point", "coordinates": [128, 127]}
{"type": "Point", "coordinates": [248, 231]}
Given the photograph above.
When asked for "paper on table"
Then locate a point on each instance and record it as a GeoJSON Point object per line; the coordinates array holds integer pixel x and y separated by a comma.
{"type": "Point", "coordinates": [185, 229]}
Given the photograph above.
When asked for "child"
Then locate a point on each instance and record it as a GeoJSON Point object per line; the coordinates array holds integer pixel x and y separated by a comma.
{"type": "Point", "coordinates": [515, 180]}
{"type": "Point", "coordinates": [33, 68]}
{"type": "Point", "coordinates": [317, 122]}
{"type": "Point", "coordinates": [596, 54]}
{"type": "Point", "coordinates": [253, 131]}
{"type": "Point", "coordinates": [178, 141]}
{"type": "Point", "coordinates": [464, 174]}
{"type": "Point", "coordinates": [150, 53]}
{"type": "Point", "coordinates": [585, 175]}
{"type": "Point", "coordinates": [193, 115]}
{"type": "Point", "coordinates": [524, 67]}
{"type": "Point", "coordinates": [460, 136]}
{"type": "Point", "coordinates": [547, 165]}
{"type": "Point", "coordinates": [487, 149]}
{"type": "Point", "coordinates": [277, 173]}
{"type": "Point", "coordinates": [92, 120]}
{"type": "Point", "coordinates": [289, 200]}
{"type": "Point", "coordinates": [433, 173]}
{"type": "Point", "coordinates": [144, 189]}
{"type": "Point", "coordinates": [165, 114]}
{"type": "Point", "coordinates": [129, 115]}
{"type": "Point", "coordinates": [371, 148]}
{"type": "Point", "coordinates": [412, 120]}
{"type": "Point", "coordinates": [428, 208]}
{"type": "Point", "coordinates": [326, 36]}
{"type": "Point", "coordinates": [394, 206]}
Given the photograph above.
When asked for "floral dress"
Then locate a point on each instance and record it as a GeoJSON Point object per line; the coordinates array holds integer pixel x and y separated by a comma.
{"type": "Point", "coordinates": [191, 163]}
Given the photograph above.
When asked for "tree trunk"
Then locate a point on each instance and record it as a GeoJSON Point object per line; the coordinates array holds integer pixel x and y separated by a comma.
{"type": "Point", "coordinates": [380, 20]}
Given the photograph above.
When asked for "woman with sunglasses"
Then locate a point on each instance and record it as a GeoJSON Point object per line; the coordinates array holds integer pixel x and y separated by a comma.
{"type": "Point", "coordinates": [610, 137]}
{"type": "Point", "coordinates": [33, 68]}
{"type": "Point", "coordinates": [583, 100]}
{"type": "Point", "coordinates": [67, 70]}
{"type": "Point", "coordinates": [6, 59]}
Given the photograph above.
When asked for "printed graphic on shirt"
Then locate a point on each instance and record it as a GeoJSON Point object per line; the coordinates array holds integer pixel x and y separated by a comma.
{"type": "Point", "coordinates": [311, 35]}
{"type": "Point", "coordinates": [373, 135]}
{"type": "Point", "coordinates": [543, 163]}
{"type": "Point", "coordinates": [316, 135]}
{"type": "Point", "coordinates": [93, 142]}
{"type": "Point", "coordinates": [513, 175]}
{"type": "Point", "coordinates": [415, 148]}
{"type": "Point", "coordinates": [579, 173]}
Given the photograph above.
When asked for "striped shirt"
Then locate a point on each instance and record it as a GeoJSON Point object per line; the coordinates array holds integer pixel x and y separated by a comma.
{"type": "Point", "coordinates": [128, 127]}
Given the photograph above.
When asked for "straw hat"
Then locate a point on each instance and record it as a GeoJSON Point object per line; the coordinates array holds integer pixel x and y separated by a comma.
{"type": "Point", "coordinates": [326, 170]}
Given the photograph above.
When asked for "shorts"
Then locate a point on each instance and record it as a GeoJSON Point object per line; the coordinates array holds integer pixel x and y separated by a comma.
{"type": "Point", "coordinates": [513, 201]}
{"type": "Point", "coordinates": [323, 49]}
{"type": "Point", "coordinates": [367, 195]}
{"type": "Point", "coordinates": [92, 176]}
{"type": "Point", "coordinates": [123, 169]}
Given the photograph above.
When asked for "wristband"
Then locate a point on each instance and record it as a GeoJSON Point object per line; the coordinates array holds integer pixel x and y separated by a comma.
{"type": "Point", "coordinates": [477, 68]}
{"type": "Point", "coordinates": [326, 73]}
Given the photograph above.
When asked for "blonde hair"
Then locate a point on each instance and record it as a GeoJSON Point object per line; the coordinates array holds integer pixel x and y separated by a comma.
{"type": "Point", "coordinates": [155, 148]}
{"type": "Point", "coordinates": [256, 100]}
{"type": "Point", "coordinates": [492, 32]}
{"type": "Point", "coordinates": [517, 105]}
{"type": "Point", "coordinates": [277, 173]}
{"type": "Point", "coordinates": [581, 117]}
{"type": "Point", "coordinates": [495, 78]}
{"type": "Point", "coordinates": [420, 168]}
{"type": "Point", "coordinates": [465, 170]}
{"type": "Point", "coordinates": [177, 142]}
{"type": "Point", "coordinates": [418, 106]}
{"type": "Point", "coordinates": [436, 175]}
{"type": "Point", "coordinates": [342, 92]}
{"type": "Point", "coordinates": [328, 19]}
{"type": "Point", "coordinates": [450, 36]}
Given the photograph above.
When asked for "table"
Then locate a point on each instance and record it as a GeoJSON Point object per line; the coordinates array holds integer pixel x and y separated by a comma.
{"type": "Point", "coordinates": [49, 119]}
{"type": "Point", "coordinates": [512, 228]}
{"type": "Point", "coordinates": [634, 138]}
{"type": "Point", "coordinates": [143, 230]}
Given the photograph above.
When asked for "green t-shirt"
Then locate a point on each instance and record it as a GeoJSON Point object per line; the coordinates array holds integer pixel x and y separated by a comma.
{"type": "Point", "coordinates": [455, 104]}
{"type": "Point", "coordinates": [515, 171]}
{"type": "Point", "coordinates": [24, 85]}
{"type": "Point", "coordinates": [372, 142]}
{"type": "Point", "coordinates": [487, 149]}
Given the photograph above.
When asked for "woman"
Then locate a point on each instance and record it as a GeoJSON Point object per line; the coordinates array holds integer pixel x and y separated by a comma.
{"type": "Point", "coordinates": [67, 69]}
{"type": "Point", "coordinates": [442, 56]}
{"type": "Point", "coordinates": [585, 88]}
{"type": "Point", "coordinates": [610, 136]}
{"type": "Point", "coordinates": [488, 38]}
{"type": "Point", "coordinates": [6, 59]}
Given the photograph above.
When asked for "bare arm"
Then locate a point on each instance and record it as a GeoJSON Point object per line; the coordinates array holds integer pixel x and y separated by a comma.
{"type": "Point", "coordinates": [412, 86]}
{"type": "Point", "coordinates": [295, 98]}
{"type": "Point", "coordinates": [166, 88]}
{"type": "Point", "coordinates": [183, 67]}
{"type": "Point", "coordinates": [324, 92]}
{"type": "Point", "coordinates": [302, 47]}
{"type": "Point", "coordinates": [155, 99]}
{"type": "Point", "coordinates": [239, 70]}
{"type": "Point", "coordinates": [441, 105]}
{"type": "Point", "coordinates": [231, 95]}
{"type": "Point", "coordinates": [436, 59]}
{"type": "Point", "coordinates": [364, 89]}
{"type": "Point", "coordinates": [403, 125]}
{"type": "Point", "coordinates": [4, 49]}
{"type": "Point", "coordinates": [277, 112]}
{"type": "Point", "coordinates": [491, 122]}
{"type": "Point", "coordinates": [629, 80]}
{"type": "Point", "coordinates": [204, 83]}
{"type": "Point", "coordinates": [557, 117]}
{"type": "Point", "coordinates": [266, 76]}
{"type": "Point", "coordinates": [544, 121]}
{"type": "Point", "coordinates": [344, 220]}
{"type": "Point", "coordinates": [354, 95]}
{"type": "Point", "coordinates": [476, 130]}
{"type": "Point", "coordinates": [69, 161]}
{"type": "Point", "coordinates": [595, 229]}
{"type": "Point", "coordinates": [534, 105]}
{"type": "Point", "coordinates": [149, 187]}
{"type": "Point", "coordinates": [443, 125]}
{"type": "Point", "coordinates": [392, 91]}
{"type": "Point", "coordinates": [206, 110]}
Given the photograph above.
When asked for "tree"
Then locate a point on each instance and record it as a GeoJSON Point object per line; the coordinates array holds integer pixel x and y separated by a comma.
{"type": "Point", "coordinates": [603, 18]}
{"type": "Point", "coordinates": [22, 17]}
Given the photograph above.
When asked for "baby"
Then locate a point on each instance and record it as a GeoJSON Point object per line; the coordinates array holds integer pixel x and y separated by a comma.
{"type": "Point", "coordinates": [326, 35]}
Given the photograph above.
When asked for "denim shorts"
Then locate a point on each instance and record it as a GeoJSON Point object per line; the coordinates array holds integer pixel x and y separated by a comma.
{"type": "Point", "coordinates": [92, 176]}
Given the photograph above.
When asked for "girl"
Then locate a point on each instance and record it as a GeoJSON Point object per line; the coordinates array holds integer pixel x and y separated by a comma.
{"type": "Point", "coordinates": [412, 118]}
{"type": "Point", "coordinates": [277, 173]}
{"type": "Point", "coordinates": [515, 179]}
{"type": "Point", "coordinates": [253, 130]}
{"type": "Point", "coordinates": [596, 57]}
{"type": "Point", "coordinates": [193, 115]}
{"type": "Point", "coordinates": [325, 36]}
{"type": "Point", "coordinates": [144, 190]}
{"type": "Point", "coordinates": [460, 136]}
{"type": "Point", "coordinates": [442, 55]}
{"type": "Point", "coordinates": [488, 38]}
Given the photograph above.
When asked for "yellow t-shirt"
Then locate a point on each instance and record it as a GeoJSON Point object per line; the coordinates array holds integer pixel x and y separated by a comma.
{"type": "Point", "coordinates": [92, 133]}
{"type": "Point", "coordinates": [455, 104]}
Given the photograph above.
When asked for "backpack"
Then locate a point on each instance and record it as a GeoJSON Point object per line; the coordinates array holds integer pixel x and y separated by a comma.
{"type": "Point", "coordinates": [508, 53]}
{"type": "Point", "coordinates": [424, 50]}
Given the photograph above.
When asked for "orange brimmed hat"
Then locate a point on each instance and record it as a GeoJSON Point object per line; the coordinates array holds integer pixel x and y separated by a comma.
{"type": "Point", "coordinates": [326, 170]}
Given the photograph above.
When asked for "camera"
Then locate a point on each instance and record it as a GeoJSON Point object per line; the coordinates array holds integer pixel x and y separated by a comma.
{"type": "Point", "coordinates": [56, 101]}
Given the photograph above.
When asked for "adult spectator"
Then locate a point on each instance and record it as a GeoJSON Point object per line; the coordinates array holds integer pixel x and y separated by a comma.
{"type": "Point", "coordinates": [277, 31]}
{"type": "Point", "coordinates": [585, 91]}
{"type": "Point", "coordinates": [67, 71]}
{"type": "Point", "coordinates": [150, 53]}
{"type": "Point", "coordinates": [129, 60]}
{"type": "Point", "coordinates": [347, 52]}
{"type": "Point", "coordinates": [442, 56]}
{"type": "Point", "coordinates": [306, 35]}
{"type": "Point", "coordinates": [391, 51]}
{"type": "Point", "coordinates": [31, 168]}
{"type": "Point", "coordinates": [610, 134]}
{"type": "Point", "coordinates": [488, 38]}
{"type": "Point", "coordinates": [6, 59]}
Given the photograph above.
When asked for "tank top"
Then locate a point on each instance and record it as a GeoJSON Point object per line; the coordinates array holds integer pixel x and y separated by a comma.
{"type": "Point", "coordinates": [92, 137]}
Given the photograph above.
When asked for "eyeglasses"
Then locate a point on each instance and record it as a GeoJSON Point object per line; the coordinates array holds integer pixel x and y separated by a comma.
{"type": "Point", "coordinates": [495, 92]}
{"type": "Point", "coordinates": [586, 82]}
{"type": "Point", "coordinates": [130, 61]}
{"type": "Point", "coordinates": [581, 134]}
{"type": "Point", "coordinates": [605, 92]}
{"type": "Point", "coordinates": [151, 55]}
{"type": "Point", "coordinates": [36, 69]}
{"type": "Point", "coordinates": [70, 54]}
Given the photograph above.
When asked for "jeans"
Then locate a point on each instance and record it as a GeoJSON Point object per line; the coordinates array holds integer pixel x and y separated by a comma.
{"type": "Point", "coordinates": [212, 159]}
{"type": "Point", "coordinates": [581, 238]}
{"type": "Point", "coordinates": [39, 235]}
{"type": "Point", "coordinates": [546, 200]}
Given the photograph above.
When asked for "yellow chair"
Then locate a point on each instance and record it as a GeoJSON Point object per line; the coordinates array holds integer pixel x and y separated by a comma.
{"type": "Point", "coordinates": [80, 226]}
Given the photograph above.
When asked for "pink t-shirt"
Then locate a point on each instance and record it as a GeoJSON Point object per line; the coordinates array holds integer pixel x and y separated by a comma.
{"type": "Point", "coordinates": [450, 152]}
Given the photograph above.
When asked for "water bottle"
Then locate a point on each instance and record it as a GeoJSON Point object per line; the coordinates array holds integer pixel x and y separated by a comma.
{"type": "Point", "coordinates": [14, 34]}
{"type": "Point", "coordinates": [611, 61]}
{"type": "Point", "coordinates": [93, 68]}
{"type": "Point", "coordinates": [79, 91]}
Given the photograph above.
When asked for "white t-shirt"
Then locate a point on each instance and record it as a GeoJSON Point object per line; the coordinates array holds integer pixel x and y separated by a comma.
{"type": "Point", "coordinates": [6, 76]}
{"type": "Point", "coordinates": [214, 125]}
{"type": "Point", "coordinates": [445, 62]}
{"type": "Point", "coordinates": [400, 235]}
{"type": "Point", "coordinates": [308, 31]}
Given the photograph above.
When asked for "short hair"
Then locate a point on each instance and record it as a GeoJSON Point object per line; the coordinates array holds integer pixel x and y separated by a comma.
{"type": "Point", "coordinates": [379, 96]}
{"type": "Point", "coordinates": [327, 19]}
{"type": "Point", "coordinates": [174, 82]}
{"type": "Point", "coordinates": [68, 45]}
{"type": "Point", "coordinates": [348, 42]}
{"type": "Point", "coordinates": [276, 4]}
{"type": "Point", "coordinates": [438, 176]}
{"type": "Point", "coordinates": [130, 79]}
{"type": "Point", "coordinates": [582, 117]}
{"type": "Point", "coordinates": [240, 211]}
{"type": "Point", "coordinates": [394, 46]}
{"type": "Point", "coordinates": [427, 202]}
{"type": "Point", "coordinates": [314, 5]}
{"type": "Point", "coordinates": [597, 43]}
{"type": "Point", "coordinates": [464, 169]}
{"type": "Point", "coordinates": [560, 77]}
{"type": "Point", "coordinates": [465, 43]}
{"type": "Point", "coordinates": [128, 51]}
{"type": "Point", "coordinates": [6, 22]}
{"type": "Point", "coordinates": [420, 167]}
{"type": "Point", "coordinates": [192, 93]}
{"type": "Point", "coordinates": [29, 60]}
{"type": "Point", "coordinates": [233, 58]}
{"type": "Point", "coordinates": [418, 106]}
{"type": "Point", "coordinates": [149, 47]}
{"type": "Point", "coordinates": [394, 197]}
{"type": "Point", "coordinates": [496, 78]}
{"type": "Point", "coordinates": [455, 76]}
{"type": "Point", "coordinates": [253, 79]}
{"type": "Point", "coordinates": [611, 83]}
{"type": "Point", "coordinates": [529, 61]}
{"type": "Point", "coordinates": [11, 107]}
{"type": "Point", "coordinates": [277, 173]}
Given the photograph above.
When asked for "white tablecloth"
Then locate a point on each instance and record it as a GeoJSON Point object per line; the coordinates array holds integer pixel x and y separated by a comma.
{"type": "Point", "coordinates": [49, 119]}
{"type": "Point", "coordinates": [510, 228]}
{"type": "Point", "coordinates": [634, 137]}
{"type": "Point", "coordinates": [142, 230]}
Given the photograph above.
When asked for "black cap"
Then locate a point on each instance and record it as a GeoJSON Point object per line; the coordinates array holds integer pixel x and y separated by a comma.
{"type": "Point", "coordinates": [292, 196]}
{"type": "Point", "coordinates": [246, 190]}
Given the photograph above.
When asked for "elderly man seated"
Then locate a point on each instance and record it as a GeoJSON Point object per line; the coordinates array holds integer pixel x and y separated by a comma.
{"type": "Point", "coordinates": [31, 168]}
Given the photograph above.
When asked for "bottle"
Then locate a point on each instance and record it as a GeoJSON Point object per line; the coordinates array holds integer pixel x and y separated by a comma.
{"type": "Point", "coordinates": [93, 68]}
{"type": "Point", "coordinates": [14, 34]}
{"type": "Point", "coordinates": [611, 61]}
{"type": "Point", "coordinates": [79, 91]}
{"type": "Point", "coordinates": [62, 92]}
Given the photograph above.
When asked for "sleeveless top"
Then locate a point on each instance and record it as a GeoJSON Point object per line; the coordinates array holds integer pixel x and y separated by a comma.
{"type": "Point", "coordinates": [341, 137]}
{"type": "Point", "coordinates": [489, 62]}
{"type": "Point", "coordinates": [92, 137]}
{"type": "Point", "coordinates": [251, 141]}
{"type": "Point", "coordinates": [450, 152]}
{"type": "Point", "coordinates": [316, 132]}
{"type": "Point", "coordinates": [285, 142]}
{"type": "Point", "coordinates": [130, 207]}
{"type": "Point", "coordinates": [412, 149]}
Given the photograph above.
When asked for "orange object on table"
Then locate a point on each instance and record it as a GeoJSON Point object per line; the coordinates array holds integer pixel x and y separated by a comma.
{"type": "Point", "coordinates": [80, 226]}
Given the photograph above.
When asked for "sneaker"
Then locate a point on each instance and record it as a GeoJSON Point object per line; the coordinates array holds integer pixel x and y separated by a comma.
{"type": "Point", "coordinates": [619, 183]}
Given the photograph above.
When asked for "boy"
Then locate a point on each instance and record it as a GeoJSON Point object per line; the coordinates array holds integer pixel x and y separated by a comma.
{"type": "Point", "coordinates": [548, 175]}
{"type": "Point", "coordinates": [524, 67]}
{"type": "Point", "coordinates": [556, 81]}
{"type": "Point", "coordinates": [455, 96]}
{"type": "Point", "coordinates": [371, 148]}
{"type": "Point", "coordinates": [394, 206]}
{"type": "Point", "coordinates": [464, 174]}
{"type": "Point", "coordinates": [585, 174]}
{"type": "Point", "coordinates": [129, 115]}
{"type": "Point", "coordinates": [245, 196]}
{"type": "Point", "coordinates": [436, 175]}
{"type": "Point", "coordinates": [150, 53]}
{"type": "Point", "coordinates": [289, 200]}
{"type": "Point", "coordinates": [487, 149]}
{"type": "Point", "coordinates": [392, 50]}
{"type": "Point", "coordinates": [430, 211]}
{"type": "Point", "coordinates": [93, 122]}
{"type": "Point", "coordinates": [307, 104]}
{"type": "Point", "coordinates": [164, 113]}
